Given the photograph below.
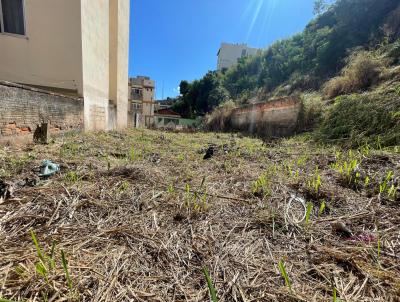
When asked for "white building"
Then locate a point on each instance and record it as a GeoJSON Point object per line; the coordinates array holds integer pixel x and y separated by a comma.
{"type": "Point", "coordinates": [229, 54]}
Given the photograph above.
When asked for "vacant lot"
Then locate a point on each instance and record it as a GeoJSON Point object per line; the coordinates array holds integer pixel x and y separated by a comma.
{"type": "Point", "coordinates": [139, 214]}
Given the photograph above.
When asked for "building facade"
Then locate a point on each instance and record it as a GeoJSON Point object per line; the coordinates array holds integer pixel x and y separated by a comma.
{"type": "Point", "coordinates": [229, 54]}
{"type": "Point", "coordinates": [142, 103]}
{"type": "Point", "coordinates": [72, 47]}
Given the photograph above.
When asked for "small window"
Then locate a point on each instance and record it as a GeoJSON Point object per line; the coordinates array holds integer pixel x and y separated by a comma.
{"type": "Point", "coordinates": [12, 19]}
{"type": "Point", "coordinates": [244, 53]}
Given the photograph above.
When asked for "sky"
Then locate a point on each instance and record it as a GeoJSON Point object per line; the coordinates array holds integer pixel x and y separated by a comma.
{"type": "Point", "coordinates": [175, 40]}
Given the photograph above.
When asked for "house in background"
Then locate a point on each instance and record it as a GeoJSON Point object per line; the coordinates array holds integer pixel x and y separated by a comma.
{"type": "Point", "coordinates": [142, 103]}
{"type": "Point", "coordinates": [71, 47]}
{"type": "Point", "coordinates": [168, 119]}
{"type": "Point", "coordinates": [229, 54]}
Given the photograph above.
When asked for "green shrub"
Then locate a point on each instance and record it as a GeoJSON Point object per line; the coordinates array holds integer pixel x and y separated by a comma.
{"type": "Point", "coordinates": [363, 119]}
{"type": "Point", "coordinates": [311, 113]}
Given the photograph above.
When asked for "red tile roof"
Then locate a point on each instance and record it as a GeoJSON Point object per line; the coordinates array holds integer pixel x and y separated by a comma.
{"type": "Point", "coordinates": [167, 111]}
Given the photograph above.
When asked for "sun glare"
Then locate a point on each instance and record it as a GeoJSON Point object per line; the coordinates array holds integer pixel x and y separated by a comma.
{"type": "Point", "coordinates": [259, 12]}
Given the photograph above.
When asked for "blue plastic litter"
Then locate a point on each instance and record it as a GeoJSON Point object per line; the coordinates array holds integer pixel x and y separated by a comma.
{"type": "Point", "coordinates": [48, 168]}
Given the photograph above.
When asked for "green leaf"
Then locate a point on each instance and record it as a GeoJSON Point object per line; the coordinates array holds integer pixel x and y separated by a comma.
{"type": "Point", "coordinates": [211, 288]}
{"type": "Point", "coordinates": [322, 208]}
{"type": "Point", "coordinates": [38, 250]}
{"type": "Point", "coordinates": [5, 300]}
{"type": "Point", "coordinates": [41, 269]}
{"type": "Point", "coordinates": [284, 274]}
{"type": "Point", "coordinates": [65, 267]}
{"type": "Point", "coordinates": [308, 212]}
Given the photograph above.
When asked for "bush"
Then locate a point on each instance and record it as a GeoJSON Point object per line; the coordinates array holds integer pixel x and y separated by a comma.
{"type": "Point", "coordinates": [362, 71]}
{"type": "Point", "coordinates": [311, 113]}
{"type": "Point", "coordinates": [394, 52]}
{"type": "Point", "coordinates": [336, 86]}
{"type": "Point", "coordinates": [219, 119]}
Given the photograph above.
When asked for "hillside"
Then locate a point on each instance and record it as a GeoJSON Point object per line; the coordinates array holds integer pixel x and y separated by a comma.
{"type": "Point", "coordinates": [351, 47]}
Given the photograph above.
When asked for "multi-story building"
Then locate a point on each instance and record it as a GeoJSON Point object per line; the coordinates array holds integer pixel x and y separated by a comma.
{"type": "Point", "coordinates": [142, 102]}
{"type": "Point", "coordinates": [72, 47]}
{"type": "Point", "coordinates": [229, 54]}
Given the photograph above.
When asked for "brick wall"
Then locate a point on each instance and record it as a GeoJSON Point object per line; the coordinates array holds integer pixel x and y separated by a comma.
{"type": "Point", "coordinates": [274, 118]}
{"type": "Point", "coordinates": [22, 108]}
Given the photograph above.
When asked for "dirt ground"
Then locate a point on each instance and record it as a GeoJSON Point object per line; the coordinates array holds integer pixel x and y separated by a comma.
{"type": "Point", "coordinates": [139, 215]}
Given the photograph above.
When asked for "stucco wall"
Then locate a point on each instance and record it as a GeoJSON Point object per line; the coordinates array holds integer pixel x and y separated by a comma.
{"type": "Point", "coordinates": [50, 53]}
{"type": "Point", "coordinates": [119, 52]}
{"type": "Point", "coordinates": [274, 118]}
{"type": "Point", "coordinates": [23, 108]}
{"type": "Point", "coordinates": [95, 57]}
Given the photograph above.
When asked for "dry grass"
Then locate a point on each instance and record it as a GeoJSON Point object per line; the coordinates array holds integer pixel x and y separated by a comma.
{"type": "Point", "coordinates": [219, 119]}
{"type": "Point", "coordinates": [146, 214]}
{"type": "Point", "coordinates": [362, 71]}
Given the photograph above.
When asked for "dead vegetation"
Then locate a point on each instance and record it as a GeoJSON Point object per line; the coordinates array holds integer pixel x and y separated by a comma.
{"type": "Point", "coordinates": [220, 118]}
{"type": "Point", "coordinates": [363, 70]}
{"type": "Point", "coordinates": [139, 216]}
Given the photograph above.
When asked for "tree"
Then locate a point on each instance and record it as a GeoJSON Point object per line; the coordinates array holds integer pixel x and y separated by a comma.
{"type": "Point", "coordinates": [320, 6]}
{"type": "Point", "coordinates": [184, 87]}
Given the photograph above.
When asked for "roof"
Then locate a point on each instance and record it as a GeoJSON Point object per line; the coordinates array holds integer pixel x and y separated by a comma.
{"type": "Point", "coordinates": [168, 112]}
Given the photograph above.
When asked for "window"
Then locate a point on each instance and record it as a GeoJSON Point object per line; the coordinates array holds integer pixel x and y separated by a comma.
{"type": "Point", "coordinates": [244, 53]}
{"type": "Point", "coordinates": [12, 18]}
{"type": "Point", "coordinates": [136, 106]}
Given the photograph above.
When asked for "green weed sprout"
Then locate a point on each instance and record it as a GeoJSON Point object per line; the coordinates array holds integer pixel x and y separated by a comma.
{"type": "Point", "coordinates": [284, 274]}
{"type": "Point", "coordinates": [315, 182]}
{"type": "Point", "coordinates": [211, 288]}
{"type": "Point", "coordinates": [65, 267]}
{"type": "Point", "coordinates": [308, 212]}
{"type": "Point", "coordinates": [322, 208]}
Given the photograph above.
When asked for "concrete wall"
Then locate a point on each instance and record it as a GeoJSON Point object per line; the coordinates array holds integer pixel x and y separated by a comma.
{"type": "Point", "coordinates": [119, 52]}
{"type": "Point", "coordinates": [50, 53]}
{"type": "Point", "coordinates": [23, 108]}
{"type": "Point", "coordinates": [96, 62]}
{"type": "Point", "coordinates": [275, 118]}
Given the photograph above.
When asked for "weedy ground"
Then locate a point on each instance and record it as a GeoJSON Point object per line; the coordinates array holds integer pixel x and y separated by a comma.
{"type": "Point", "coordinates": [140, 216]}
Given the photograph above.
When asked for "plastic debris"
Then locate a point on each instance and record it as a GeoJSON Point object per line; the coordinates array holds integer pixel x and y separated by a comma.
{"type": "Point", "coordinates": [6, 191]}
{"type": "Point", "coordinates": [295, 215]}
{"type": "Point", "coordinates": [48, 168]}
{"type": "Point", "coordinates": [365, 238]}
{"type": "Point", "coordinates": [209, 152]}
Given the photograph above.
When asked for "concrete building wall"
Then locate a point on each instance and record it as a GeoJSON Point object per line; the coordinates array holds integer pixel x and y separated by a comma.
{"type": "Point", "coordinates": [275, 118]}
{"type": "Point", "coordinates": [229, 54]}
{"type": "Point", "coordinates": [50, 52]}
{"type": "Point", "coordinates": [96, 62]}
{"type": "Point", "coordinates": [119, 52]}
{"type": "Point", "coordinates": [23, 108]}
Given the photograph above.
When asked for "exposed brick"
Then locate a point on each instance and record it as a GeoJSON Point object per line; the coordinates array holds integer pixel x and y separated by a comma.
{"type": "Point", "coordinates": [22, 110]}
{"type": "Point", "coordinates": [11, 126]}
{"type": "Point", "coordinates": [274, 118]}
